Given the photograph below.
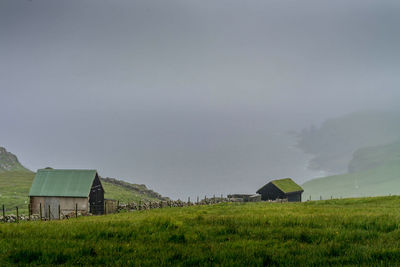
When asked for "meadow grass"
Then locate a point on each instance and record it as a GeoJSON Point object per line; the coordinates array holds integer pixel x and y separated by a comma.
{"type": "Point", "coordinates": [348, 232]}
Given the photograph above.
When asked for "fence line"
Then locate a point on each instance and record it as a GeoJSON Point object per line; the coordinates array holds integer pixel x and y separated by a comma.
{"type": "Point", "coordinates": [47, 213]}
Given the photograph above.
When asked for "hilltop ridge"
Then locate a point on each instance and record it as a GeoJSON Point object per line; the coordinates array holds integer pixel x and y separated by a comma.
{"type": "Point", "coordinates": [10, 162]}
{"type": "Point", "coordinates": [138, 188]}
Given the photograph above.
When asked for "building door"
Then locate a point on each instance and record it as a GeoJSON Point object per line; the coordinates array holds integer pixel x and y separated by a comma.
{"type": "Point", "coordinates": [53, 203]}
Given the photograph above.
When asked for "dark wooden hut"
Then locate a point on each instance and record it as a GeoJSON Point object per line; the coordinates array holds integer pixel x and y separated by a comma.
{"type": "Point", "coordinates": [67, 190]}
{"type": "Point", "coordinates": [281, 189]}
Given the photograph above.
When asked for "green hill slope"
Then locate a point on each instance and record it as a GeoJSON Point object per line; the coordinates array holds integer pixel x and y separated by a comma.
{"type": "Point", "coordinates": [14, 188]}
{"type": "Point", "coordinates": [126, 192]}
{"type": "Point", "coordinates": [371, 157]}
{"type": "Point", "coordinates": [379, 181]}
{"type": "Point", "coordinates": [375, 171]}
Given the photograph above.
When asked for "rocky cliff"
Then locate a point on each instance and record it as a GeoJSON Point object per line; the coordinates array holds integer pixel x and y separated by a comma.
{"type": "Point", "coordinates": [9, 162]}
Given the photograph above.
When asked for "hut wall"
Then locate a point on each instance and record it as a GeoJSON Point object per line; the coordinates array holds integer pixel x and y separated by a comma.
{"type": "Point", "coordinates": [67, 205]}
{"type": "Point", "coordinates": [294, 197]}
{"type": "Point", "coordinates": [271, 192]}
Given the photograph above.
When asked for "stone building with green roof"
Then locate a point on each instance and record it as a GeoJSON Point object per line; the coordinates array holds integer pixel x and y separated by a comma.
{"type": "Point", "coordinates": [66, 190]}
{"type": "Point", "coordinates": [281, 189]}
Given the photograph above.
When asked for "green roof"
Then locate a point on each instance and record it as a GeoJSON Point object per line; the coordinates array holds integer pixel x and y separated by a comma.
{"type": "Point", "coordinates": [287, 185]}
{"type": "Point", "coordinates": [62, 183]}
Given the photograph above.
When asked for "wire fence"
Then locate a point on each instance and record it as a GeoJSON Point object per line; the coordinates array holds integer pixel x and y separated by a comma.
{"type": "Point", "coordinates": [43, 212]}
{"type": "Point", "coordinates": [40, 211]}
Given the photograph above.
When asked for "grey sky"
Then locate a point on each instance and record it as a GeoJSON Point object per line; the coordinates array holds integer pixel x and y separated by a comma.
{"type": "Point", "coordinates": [188, 97]}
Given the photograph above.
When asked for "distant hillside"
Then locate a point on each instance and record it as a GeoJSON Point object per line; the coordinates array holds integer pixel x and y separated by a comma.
{"type": "Point", "coordinates": [9, 162]}
{"type": "Point", "coordinates": [371, 157]}
{"type": "Point", "coordinates": [14, 188]}
{"type": "Point", "coordinates": [334, 142]}
{"type": "Point", "coordinates": [380, 181]}
{"type": "Point", "coordinates": [139, 190]}
{"type": "Point", "coordinates": [15, 182]}
{"type": "Point", "coordinates": [375, 171]}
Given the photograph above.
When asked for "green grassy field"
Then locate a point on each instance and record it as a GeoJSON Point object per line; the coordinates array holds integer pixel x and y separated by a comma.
{"type": "Point", "coordinates": [15, 186]}
{"type": "Point", "coordinates": [350, 232]}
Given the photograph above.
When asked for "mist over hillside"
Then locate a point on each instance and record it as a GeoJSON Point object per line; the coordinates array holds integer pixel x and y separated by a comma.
{"type": "Point", "coordinates": [375, 156]}
{"type": "Point", "coordinates": [333, 144]}
{"type": "Point", "coordinates": [372, 170]}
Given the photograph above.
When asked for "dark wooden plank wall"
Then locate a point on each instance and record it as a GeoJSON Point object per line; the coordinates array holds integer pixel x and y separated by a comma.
{"type": "Point", "coordinates": [96, 197]}
{"type": "Point", "coordinates": [294, 197]}
{"type": "Point", "coordinates": [271, 192]}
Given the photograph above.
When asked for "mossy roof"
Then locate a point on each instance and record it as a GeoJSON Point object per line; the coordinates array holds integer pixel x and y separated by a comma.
{"type": "Point", "coordinates": [287, 185]}
{"type": "Point", "coordinates": [62, 183]}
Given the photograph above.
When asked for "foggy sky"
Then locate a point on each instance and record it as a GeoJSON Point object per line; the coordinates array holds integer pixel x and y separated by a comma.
{"type": "Point", "coordinates": [188, 97]}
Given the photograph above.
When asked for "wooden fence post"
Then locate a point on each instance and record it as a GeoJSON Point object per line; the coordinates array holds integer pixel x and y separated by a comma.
{"type": "Point", "coordinates": [40, 210]}
{"type": "Point", "coordinates": [17, 214]}
{"type": "Point", "coordinates": [59, 212]}
{"type": "Point", "coordinates": [76, 210]}
{"type": "Point", "coordinates": [29, 212]}
{"type": "Point", "coordinates": [49, 214]}
{"type": "Point", "coordinates": [4, 214]}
